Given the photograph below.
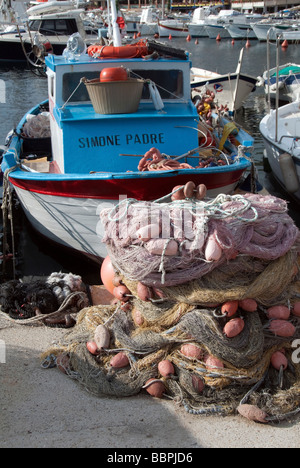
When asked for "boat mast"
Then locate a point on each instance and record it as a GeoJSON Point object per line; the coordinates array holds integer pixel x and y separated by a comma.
{"type": "Point", "coordinates": [115, 27]}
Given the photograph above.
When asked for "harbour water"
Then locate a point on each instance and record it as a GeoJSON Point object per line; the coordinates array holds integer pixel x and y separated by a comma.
{"type": "Point", "coordinates": [23, 90]}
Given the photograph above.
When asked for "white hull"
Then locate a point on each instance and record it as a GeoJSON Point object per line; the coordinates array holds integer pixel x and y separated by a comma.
{"type": "Point", "coordinates": [292, 35]}
{"type": "Point", "coordinates": [261, 30]}
{"type": "Point", "coordinates": [214, 30]}
{"type": "Point", "coordinates": [172, 27]}
{"type": "Point", "coordinates": [70, 222]}
{"type": "Point", "coordinates": [197, 30]}
{"type": "Point", "coordinates": [148, 28]}
{"type": "Point", "coordinates": [74, 223]}
{"type": "Point", "coordinates": [229, 89]}
{"type": "Point", "coordinates": [240, 32]}
{"type": "Point", "coordinates": [288, 129]}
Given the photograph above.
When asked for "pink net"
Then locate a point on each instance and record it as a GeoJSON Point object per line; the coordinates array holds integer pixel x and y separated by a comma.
{"type": "Point", "coordinates": [167, 244]}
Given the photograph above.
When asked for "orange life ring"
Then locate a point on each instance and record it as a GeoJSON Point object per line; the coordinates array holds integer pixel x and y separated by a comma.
{"type": "Point", "coordinates": [128, 51]}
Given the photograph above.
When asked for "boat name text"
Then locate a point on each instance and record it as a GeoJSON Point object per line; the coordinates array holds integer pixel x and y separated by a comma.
{"type": "Point", "coordinates": [118, 140]}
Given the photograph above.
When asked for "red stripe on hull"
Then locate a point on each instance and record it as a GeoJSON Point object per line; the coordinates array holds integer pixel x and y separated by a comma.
{"type": "Point", "coordinates": [139, 188]}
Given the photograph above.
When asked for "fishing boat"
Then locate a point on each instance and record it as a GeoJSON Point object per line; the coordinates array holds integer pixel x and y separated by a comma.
{"type": "Point", "coordinates": [280, 129]}
{"type": "Point", "coordinates": [231, 89]}
{"type": "Point", "coordinates": [288, 81]}
{"type": "Point", "coordinates": [112, 115]}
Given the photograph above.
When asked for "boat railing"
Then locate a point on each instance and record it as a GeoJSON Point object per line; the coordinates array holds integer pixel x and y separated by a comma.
{"type": "Point", "coordinates": [288, 136]}
{"type": "Point", "coordinates": [279, 36]}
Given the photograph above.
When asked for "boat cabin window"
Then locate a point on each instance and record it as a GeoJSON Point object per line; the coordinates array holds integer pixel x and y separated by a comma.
{"type": "Point", "coordinates": [54, 27]}
{"type": "Point", "coordinates": [169, 83]}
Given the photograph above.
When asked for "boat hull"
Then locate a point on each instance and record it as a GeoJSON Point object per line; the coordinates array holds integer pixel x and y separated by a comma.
{"type": "Point", "coordinates": [214, 30]}
{"type": "Point", "coordinates": [197, 30]}
{"type": "Point", "coordinates": [175, 29]}
{"type": "Point", "coordinates": [261, 31]}
{"type": "Point", "coordinates": [67, 212]}
{"type": "Point", "coordinates": [240, 32]}
{"type": "Point", "coordinates": [224, 87]}
{"type": "Point", "coordinates": [12, 51]}
{"type": "Point", "coordinates": [273, 153]}
{"type": "Point", "coordinates": [286, 143]}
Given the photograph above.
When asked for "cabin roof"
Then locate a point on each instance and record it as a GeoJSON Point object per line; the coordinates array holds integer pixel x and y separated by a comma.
{"type": "Point", "coordinates": [54, 61]}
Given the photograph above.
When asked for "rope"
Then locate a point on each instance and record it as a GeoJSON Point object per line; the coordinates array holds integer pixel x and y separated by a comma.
{"type": "Point", "coordinates": [7, 214]}
{"type": "Point", "coordinates": [72, 94]}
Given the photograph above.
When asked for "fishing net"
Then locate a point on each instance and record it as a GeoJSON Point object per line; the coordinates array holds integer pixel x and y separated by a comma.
{"type": "Point", "coordinates": [258, 259]}
{"type": "Point", "coordinates": [205, 236]}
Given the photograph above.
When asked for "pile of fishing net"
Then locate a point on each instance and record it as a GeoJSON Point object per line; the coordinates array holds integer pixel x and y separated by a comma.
{"type": "Point", "coordinates": [206, 309]}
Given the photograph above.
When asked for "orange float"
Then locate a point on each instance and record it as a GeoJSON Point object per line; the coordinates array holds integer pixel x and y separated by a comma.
{"type": "Point", "coordinates": [107, 274]}
{"type": "Point", "coordinates": [128, 51]}
{"type": "Point", "coordinates": [113, 74]}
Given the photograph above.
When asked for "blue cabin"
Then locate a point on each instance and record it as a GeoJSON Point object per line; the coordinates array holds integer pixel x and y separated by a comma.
{"type": "Point", "coordinates": [85, 141]}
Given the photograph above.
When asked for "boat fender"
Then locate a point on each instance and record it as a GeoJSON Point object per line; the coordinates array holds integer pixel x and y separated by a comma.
{"type": "Point", "coordinates": [155, 96]}
{"type": "Point", "coordinates": [289, 173]}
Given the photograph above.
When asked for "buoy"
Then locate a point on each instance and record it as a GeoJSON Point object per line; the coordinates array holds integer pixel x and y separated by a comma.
{"type": "Point", "coordinates": [232, 42]}
{"type": "Point", "coordinates": [107, 274]}
{"type": "Point", "coordinates": [289, 173]}
{"type": "Point", "coordinates": [285, 44]}
{"type": "Point", "coordinates": [196, 41]}
{"type": "Point", "coordinates": [170, 37]}
{"type": "Point", "coordinates": [134, 36]}
{"type": "Point", "coordinates": [218, 38]}
{"type": "Point", "coordinates": [138, 34]}
{"type": "Point", "coordinates": [248, 43]}
{"type": "Point", "coordinates": [113, 74]}
{"type": "Point", "coordinates": [188, 38]}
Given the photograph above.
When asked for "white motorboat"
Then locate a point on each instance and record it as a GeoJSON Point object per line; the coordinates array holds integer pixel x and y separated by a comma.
{"type": "Point", "coordinates": [216, 24]}
{"type": "Point", "coordinates": [50, 31]}
{"type": "Point", "coordinates": [148, 22]}
{"type": "Point", "coordinates": [197, 24]}
{"type": "Point", "coordinates": [273, 28]}
{"type": "Point", "coordinates": [230, 89]}
{"type": "Point", "coordinates": [280, 129]}
{"type": "Point", "coordinates": [288, 81]}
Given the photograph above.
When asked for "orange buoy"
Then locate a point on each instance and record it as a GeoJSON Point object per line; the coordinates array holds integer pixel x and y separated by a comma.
{"type": "Point", "coordinates": [138, 34]}
{"type": "Point", "coordinates": [188, 38]}
{"type": "Point", "coordinates": [107, 274]}
{"type": "Point", "coordinates": [170, 37]}
{"type": "Point", "coordinates": [196, 41]}
{"type": "Point", "coordinates": [113, 74]}
{"type": "Point", "coordinates": [285, 44]}
{"type": "Point", "coordinates": [134, 36]}
{"type": "Point", "coordinates": [232, 42]}
{"type": "Point", "coordinates": [218, 38]}
{"type": "Point", "coordinates": [248, 43]}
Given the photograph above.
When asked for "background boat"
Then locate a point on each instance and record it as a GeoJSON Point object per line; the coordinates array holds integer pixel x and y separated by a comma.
{"type": "Point", "coordinates": [280, 129]}
{"type": "Point", "coordinates": [288, 81]}
{"type": "Point", "coordinates": [231, 89]}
